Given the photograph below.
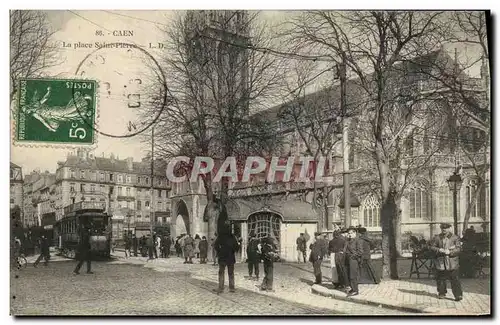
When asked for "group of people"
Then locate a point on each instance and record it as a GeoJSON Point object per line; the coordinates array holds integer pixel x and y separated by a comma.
{"type": "Point", "coordinates": [151, 246]}
{"type": "Point", "coordinates": [350, 258]}
{"type": "Point", "coordinates": [188, 247]}
{"type": "Point", "coordinates": [264, 250]}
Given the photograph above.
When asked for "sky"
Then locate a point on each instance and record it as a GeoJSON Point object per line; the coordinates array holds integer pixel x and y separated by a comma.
{"type": "Point", "coordinates": [85, 27]}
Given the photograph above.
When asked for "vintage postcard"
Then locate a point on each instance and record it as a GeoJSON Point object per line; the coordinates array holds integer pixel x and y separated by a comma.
{"type": "Point", "coordinates": [242, 162]}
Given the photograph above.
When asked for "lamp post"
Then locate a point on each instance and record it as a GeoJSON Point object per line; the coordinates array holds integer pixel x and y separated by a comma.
{"type": "Point", "coordinates": [455, 183]}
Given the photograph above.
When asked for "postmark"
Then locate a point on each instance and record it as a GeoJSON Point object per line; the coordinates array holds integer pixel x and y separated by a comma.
{"type": "Point", "coordinates": [133, 90]}
{"type": "Point", "coordinates": [56, 112]}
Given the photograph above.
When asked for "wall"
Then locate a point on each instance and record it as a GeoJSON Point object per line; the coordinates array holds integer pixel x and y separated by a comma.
{"type": "Point", "coordinates": [289, 234]}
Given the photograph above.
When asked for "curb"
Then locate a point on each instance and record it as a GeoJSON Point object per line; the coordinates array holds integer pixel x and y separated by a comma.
{"type": "Point", "coordinates": [322, 291]}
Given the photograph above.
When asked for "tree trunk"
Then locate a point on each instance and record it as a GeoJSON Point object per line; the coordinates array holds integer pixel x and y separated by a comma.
{"type": "Point", "coordinates": [397, 225]}
{"type": "Point", "coordinates": [387, 218]}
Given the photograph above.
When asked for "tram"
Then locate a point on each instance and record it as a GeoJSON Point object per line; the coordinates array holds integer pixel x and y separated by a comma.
{"type": "Point", "coordinates": [67, 231]}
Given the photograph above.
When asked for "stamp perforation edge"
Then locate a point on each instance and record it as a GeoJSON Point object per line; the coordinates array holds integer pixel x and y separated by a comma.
{"type": "Point", "coordinates": [55, 145]}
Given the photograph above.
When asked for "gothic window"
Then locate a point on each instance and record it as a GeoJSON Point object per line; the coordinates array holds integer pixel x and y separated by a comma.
{"type": "Point", "coordinates": [264, 223]}
{"type": "Point", "coordinates": [371, 212]}
{"type": "Point", "coordinates": [419, 195]}
{"type": "Point", "coordinates": [444, 203]}
{"type": "Point", "coordinates": [477, 202]}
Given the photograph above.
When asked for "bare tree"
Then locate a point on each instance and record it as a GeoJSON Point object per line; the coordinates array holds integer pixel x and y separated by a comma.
{"type": "Point", "coordinates": [215, 81]}
{"type": "Point", "coordinates": [32, 51]}
{"type": "Point", "coordinates": [378, 48]}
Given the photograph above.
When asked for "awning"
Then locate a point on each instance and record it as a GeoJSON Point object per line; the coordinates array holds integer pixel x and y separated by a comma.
{"type": "Point", "coordinates": [290, 211]}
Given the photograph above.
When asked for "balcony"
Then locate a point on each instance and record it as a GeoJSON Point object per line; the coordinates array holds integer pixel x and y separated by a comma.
{"type": "Point", "coordinates": [127, 198]}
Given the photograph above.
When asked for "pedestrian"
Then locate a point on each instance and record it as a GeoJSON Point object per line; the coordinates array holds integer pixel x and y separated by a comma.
{"type": "Point", "coordinates": [354, 251]}
{"type": "Point", "coordinates": [44, 251]}
{"type": "Point", "coordinates": [367, 271]}
{"type": "Point", "coordinates": [84, 251]}
{"type": "Point", "coordinates": [127, 246]}
{"type": "Point", "coordinates": [157, 246]}
{"type": "Point", "coordinates": [177, 246]}
{"type": "Point", "coordinates": [188, 249]}
{"type": "Point", "coordinates": [446, 246]}
{"type": "Point", "coordinates": [226, 247]}
{"type": "Point", "coordinates": [269, 256]}
{"type": "Point", "coordinates": [166, 243]}
{"type": "Point", "coordinates": [134, 244]}
{"type": "Point", "coordinates": [318, 250]}
{"type": "Point", "coordinates": [144, 248]}
{"type": "Point", "coordinates": [253, 256]}
{"type": "Point", "coordinates": [301, 247]}
{"type": "Point", "coordinates": [203, 250]}
{"type": "Point", "coordinates": [337, 259]}
{"type": "Point", "coordinates": [153, 243]}
{"type": "Point", "coordinates": [197, 240]}
{"type": "Point", "coordinates": [150, 246]}
{"type": "Point", "coordinates": [214, 251]}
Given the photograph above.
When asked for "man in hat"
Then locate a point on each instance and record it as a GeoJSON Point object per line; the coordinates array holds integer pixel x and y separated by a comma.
{"type": "Point", "coordinates": [446, 246]}
{"type": "Point", "coordinates": [354, 251]}
{"type": "Point", "coordinates": [337, 259]}
{"type": "Point", "coordinates": [318, 250]}
{"type": "Point", "coordinates": [253, 254]}
{"type": "Point", "coordinates": [301, 247]}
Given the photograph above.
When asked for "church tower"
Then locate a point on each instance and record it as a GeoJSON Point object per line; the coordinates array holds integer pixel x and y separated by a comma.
{"type": "Point", "coordinates": [217, 43]}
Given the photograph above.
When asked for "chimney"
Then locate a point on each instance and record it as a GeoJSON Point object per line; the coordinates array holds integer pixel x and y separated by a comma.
{"type": "Point", "coordinates": [130, 163]}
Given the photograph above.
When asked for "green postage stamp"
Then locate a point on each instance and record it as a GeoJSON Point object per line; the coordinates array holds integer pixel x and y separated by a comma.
{"type": "Point", "coordinates": [56, 111]}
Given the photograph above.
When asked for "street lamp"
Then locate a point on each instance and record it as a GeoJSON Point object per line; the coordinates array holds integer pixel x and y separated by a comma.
{"type": "Point", "coordinates": [455, 183]}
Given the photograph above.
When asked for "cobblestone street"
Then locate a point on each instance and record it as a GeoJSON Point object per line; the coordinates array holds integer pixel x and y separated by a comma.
{"type": "Point", "coordinates": [166, 287]}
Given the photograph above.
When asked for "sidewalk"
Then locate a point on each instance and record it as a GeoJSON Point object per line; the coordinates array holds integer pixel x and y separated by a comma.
{"type": "Point", "coordinates": [416, 295]}
{"type": "Point", "coordinates": [294, 282]}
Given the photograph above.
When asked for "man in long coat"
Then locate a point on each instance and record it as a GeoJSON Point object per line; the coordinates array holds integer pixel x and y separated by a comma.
{"type": "Point", "coordinates": [84, 252]}
{"type": "Point", "coordinates": [446, 246]}
{"type": "Point", "coordinates": [253, 255]}
{"type": "Point", "coordinates": [337, 260]}
{"type": "Point", "coordinates": [318, 250]}
{"type": "Point", "coordinates": [367, 271]}
{"type": "Point", "coordinates": [188, 249]}
{"type": "Point", "coordinates": [354, 251]}
{"type": "Point", "coordinates": [44, 251]}
{"type": "Point", "coordinates": [226, 246]}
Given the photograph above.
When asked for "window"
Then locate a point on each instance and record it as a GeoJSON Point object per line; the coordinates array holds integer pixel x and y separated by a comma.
{"type": "Point", "coordinates": [160, 206]}
{"type": "Point", "coordinates": [146, 204]}
{"type": "Point", "coordinates": [102, 189]}
{"type": "Point", "coordinates": [445, 203]}
{"type": "Point", "coordinates": [129, 179]}
{"type": "Point", "coordinates": [94, 175]}
{"type": "Point", "coordinates": [419, 201]}
{"type": "Point", "coordinates": [138, 179]}
{"type": "Point", "coordinates": [371, 212]}
{"type": "Point", "coordinates": [159, 193]}
{"type": "Point", "coordinates": [128, 191]}
{"type": "Point", "coordinates": [264, 223]}
{"type": "Point", "coordinates": [82, 174]}
{"type": "Point", "coordinates": [92, 199]}
{"type": "Point", "coordinates": [92, 188]}
{"type": "Point", "coordinates": [119, 190]}
{"type": "Point", "coordinates": [120, 178]}
{"type": "Point", "coordinates": [111, 177]}
{"type": "Point", "coordinates": [73, 173]}
{"type": "Point", "coordinates": [82, 187]}
{"type": "Point", "coordinates": [139, 207]}
{"type": "Point", "coordinates": [147, 180]}
{"type": "Point", "coordinates": [111, 190]}
{"type": "Point", "coordinates": [477, 201]}
{"type": "Point", "coordinates": [72, 187]}
{"type": "Point", "coordinates": [101, 177]}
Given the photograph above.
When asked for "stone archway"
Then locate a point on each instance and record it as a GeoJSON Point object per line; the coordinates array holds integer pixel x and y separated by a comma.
{"type": "Point", "coordinates": [182, 224]}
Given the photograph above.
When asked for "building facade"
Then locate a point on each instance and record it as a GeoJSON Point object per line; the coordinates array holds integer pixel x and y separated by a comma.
{"type": "Point", "coordinates": [16, 187]}
{"type": "Point", "coordinates": [131, 195]}
{"type": "Point", "coordinates": [38, 198]}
